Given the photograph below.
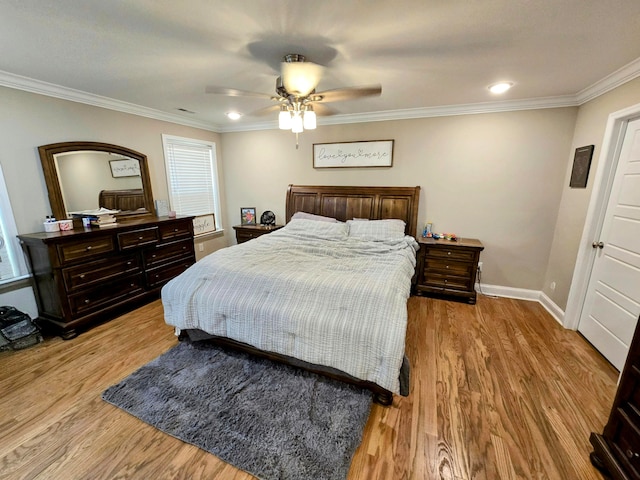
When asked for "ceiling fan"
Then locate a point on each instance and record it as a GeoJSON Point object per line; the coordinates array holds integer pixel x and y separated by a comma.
{"type": "Point", "coordinates": [296, 97]}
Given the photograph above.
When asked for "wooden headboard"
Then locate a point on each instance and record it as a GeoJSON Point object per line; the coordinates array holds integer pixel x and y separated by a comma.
{"type": "Point", "coordinates": [346, 203]}
{"type": "Point", "coordinates": [124, 200]}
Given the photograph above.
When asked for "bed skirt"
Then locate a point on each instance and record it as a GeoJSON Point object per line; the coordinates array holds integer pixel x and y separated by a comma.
{"type": "Point", "coordinates": [381, 395]}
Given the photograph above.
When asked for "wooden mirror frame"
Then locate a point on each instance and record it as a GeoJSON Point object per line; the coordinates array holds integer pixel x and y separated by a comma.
{"type": "Point", "coordinates": [47, 157]}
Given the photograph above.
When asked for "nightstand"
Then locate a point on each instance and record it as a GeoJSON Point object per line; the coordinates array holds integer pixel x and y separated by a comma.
{"type": "Point", "coordinates": [448, 268]}
{"type": "Point", "coordinates": [247, 232]}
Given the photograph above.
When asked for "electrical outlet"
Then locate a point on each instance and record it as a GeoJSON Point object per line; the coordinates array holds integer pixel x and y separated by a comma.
{"type": "Point", "coordinates": [552, 286]}
{"type": "Point", "coordinates": [200, 247]}
{"type": "Point", "coordinates": [479, 266]}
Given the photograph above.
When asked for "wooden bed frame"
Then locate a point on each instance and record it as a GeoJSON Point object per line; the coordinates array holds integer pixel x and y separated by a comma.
{"type": "Point", "coordinates": [124, 200]}
{"type": "Point", "coordinates": [343, 203]}
{"type": "Point", "coordinates": [346, 203]}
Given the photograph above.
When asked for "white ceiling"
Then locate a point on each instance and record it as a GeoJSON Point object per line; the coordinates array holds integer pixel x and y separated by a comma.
{"type": "Point", "coordinates": [155, 56]}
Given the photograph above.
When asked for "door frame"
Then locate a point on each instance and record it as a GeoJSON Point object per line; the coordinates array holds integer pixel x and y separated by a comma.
{"type": "Point", "coordinates": [605, 173]}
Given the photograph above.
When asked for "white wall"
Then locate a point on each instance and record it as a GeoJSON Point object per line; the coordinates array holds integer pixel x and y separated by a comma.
{"type": "Point", "coordinates": [589, 130]}
{"type": "Point", "coordinates": [496, 177]}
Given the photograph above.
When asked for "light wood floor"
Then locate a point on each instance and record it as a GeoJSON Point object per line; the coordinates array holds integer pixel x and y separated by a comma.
{"type": "Point", "coordinates": [499, 391]}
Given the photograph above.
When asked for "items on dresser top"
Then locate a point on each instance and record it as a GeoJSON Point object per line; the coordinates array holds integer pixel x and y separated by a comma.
{"type": "Point", "coordinates": [84, 276]}
{"type": "Point", "coordinates": [448, 267]}
{"type": "Point", "coordinates": [247, 232]}
{"type": "Point", "coordinates": [617, 450]}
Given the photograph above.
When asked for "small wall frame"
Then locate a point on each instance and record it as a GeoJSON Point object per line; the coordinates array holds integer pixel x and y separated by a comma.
{"type": "Point", "coordinates": [581, 165]}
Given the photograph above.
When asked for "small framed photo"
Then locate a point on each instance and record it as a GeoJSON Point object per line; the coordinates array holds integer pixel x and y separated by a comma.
{"type": "Point", "coordinates": [248, 215]}
{"type": "Point", "coordinates": [581, 165]}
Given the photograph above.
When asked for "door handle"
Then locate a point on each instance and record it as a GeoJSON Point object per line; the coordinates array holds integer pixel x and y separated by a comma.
{"type": "Point", "coordinates": [597, 245]}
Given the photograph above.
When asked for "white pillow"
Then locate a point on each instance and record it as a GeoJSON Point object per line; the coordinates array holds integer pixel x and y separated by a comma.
{"type": "Point", "coordinates": [377, 230]}
{"type": "Point", "coordinates": [311, 216]}
{"type": "Point", "coordinates": [314, 228]}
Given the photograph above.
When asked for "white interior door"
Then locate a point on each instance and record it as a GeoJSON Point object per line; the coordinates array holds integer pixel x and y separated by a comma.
{"type": "Point", "coordinates": [612, 303]}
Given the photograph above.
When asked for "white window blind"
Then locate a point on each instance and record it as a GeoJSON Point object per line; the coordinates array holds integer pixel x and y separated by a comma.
{"type": "Point", "coordinates": [192, 176]}
{"type": "Point", "coordinates": [12, 265]}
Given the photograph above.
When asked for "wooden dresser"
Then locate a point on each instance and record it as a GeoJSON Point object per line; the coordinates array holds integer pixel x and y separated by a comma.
{"type": "Point", "coordinates": [247, 232]}
{"type": "Point", "coordinates": [84, 276]}
{"type": "Point", "coordinates": [448, 267]}
{"type": "Point", "coordinates": [617, 450]}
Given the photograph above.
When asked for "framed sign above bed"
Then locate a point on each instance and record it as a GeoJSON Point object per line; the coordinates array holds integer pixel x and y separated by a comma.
{"type": "Point", "coordinates": [377, 153]}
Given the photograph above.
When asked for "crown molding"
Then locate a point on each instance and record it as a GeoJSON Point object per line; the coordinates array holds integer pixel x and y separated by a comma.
{"type": "Point", "coordinates": [19, 82]}
{"type": "Point", "coordinates": [617, 78]}
{"type": "Point", "coordinates": [413, 113]}
{"type": "Point", "coordinates": [621, 76]}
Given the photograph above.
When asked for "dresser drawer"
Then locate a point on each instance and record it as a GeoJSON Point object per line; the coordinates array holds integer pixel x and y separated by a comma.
{"type": "Point", "coordinates": [174, 231]}
{"type": "Point", "coordinates": [138, 238]}
{"type": "Point", "coordinates": [168, 253]}
{"type": "Point", "coordinates": [453, 253]}
{"type": "Point", "coordinates": [161, 275]}
{"type": "Point", "coordinates": [626, 441]}
{"type": "Point", "coordinates": [448, 267]}
{"type": "Point", "coordinates": [106, 296]}
{"type": "Point", "coordinates": [100, 271]}
{"type": "Point", "coordinates": [72, 251]}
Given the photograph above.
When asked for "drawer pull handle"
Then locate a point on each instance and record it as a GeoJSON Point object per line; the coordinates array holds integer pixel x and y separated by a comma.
{"type": "Point", "coordinates": [82, 276]}
{"type": "Point", "coordinates": [133, 284]}
{"type": "Point", "coordinates": [158, 276]}
{"type": "Point", "coordinates": [88, 247]}
{"type": "Point", "coordinates": [86, 301]}
{"type": "Point", "coordinates": [140, 238]}
{"type": "Point", "coordinates": [153, 256]}
{"type": "Point", "coordinates": [447, 266]}
{"type": "Point", "coordinates": [632, 454]}
{"type": "Point", "coordinates": [448, 253]}
{"type": "Point", "coordinates": [128, 263]}
{"type": "Point", "coordinates": [175, 229]}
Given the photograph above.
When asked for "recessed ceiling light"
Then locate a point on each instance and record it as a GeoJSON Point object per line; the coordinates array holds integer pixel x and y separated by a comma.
{"type": "Point", "coordinates": [233, 115]}
{"type": "Point", "coordinates": [500, 87]}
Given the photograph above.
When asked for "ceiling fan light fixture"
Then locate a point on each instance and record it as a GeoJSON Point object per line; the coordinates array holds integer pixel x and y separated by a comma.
{"type": "Point", "coordinates": [284, 118]}
{"type": "Point", "coordinates": [300, 78]}
{"type": "Point", "coordinates": [309, 118]}
{"type": "Point", "coordinates": [296, 123]}
{"type": "Point", "coordinates": [233, 115]}
{"type": "Point", "coordinates": [500, 87]}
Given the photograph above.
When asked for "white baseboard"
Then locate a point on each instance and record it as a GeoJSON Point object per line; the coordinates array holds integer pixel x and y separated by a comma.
{"type": "Point", "coordinates": [524, 294]}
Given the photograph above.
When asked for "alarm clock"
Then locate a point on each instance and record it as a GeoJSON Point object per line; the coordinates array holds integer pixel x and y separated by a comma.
{"type": "Point", "coordinates": [268, 218]}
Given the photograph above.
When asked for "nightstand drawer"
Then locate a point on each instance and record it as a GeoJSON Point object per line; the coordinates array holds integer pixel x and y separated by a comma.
{"type": "Point", "coordinates": [447, 282]}
{"type": "Point", "coordinates": [451, 253]}
{"type": "Point", "coordinates": [448, 267]}
{"type": "Point", "coordinates": [245, 233]}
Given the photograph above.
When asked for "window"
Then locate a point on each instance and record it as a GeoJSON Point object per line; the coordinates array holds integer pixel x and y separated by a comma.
{"type": "Point", "coordinates": [12, 265]}
{"type": "Point", "coordinates": [192, 178]}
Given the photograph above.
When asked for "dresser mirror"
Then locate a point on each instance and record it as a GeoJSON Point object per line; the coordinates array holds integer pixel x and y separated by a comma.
{"type": "Point", "coordinates": [86, 176]}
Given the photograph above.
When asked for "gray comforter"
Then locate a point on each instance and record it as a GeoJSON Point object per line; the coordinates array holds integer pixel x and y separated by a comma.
{"type": "Point", "coordinates": [308, 291]}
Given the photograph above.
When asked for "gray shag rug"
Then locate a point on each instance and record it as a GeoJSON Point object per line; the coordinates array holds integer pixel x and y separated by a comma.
{"type": "Point", "coordinates": [271, 420]}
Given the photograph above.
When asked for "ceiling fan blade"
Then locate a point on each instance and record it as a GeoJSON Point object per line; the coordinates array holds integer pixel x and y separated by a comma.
{"type": "Point", "coordinates": [323, 110]}
{"type": "Point", "coordinates": [348, 93]}
{"type": "Point", "coordinates": [232, 92]}
{"type": "Point", "coordinates": [265, 111]}
{"type": "Point", "coordinates": [300, 78]}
